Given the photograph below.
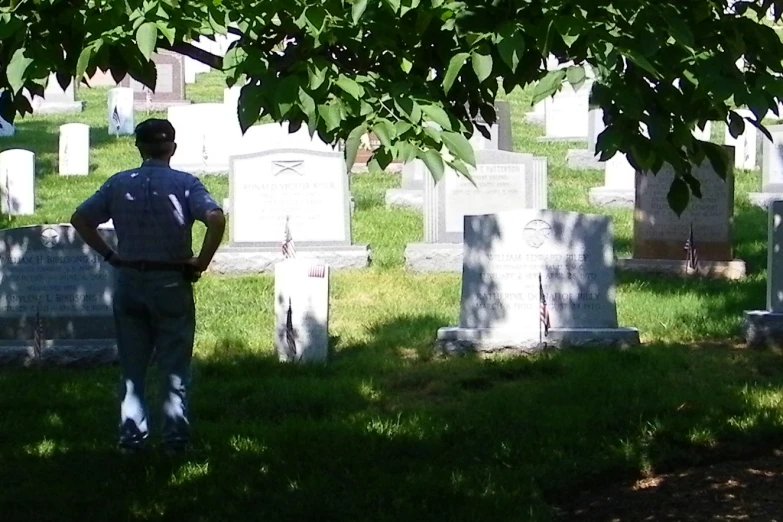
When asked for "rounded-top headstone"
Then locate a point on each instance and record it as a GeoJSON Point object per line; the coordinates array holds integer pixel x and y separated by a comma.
{"type": "Point", "coordinates": [74, 149]}
{"type": "Point", "coordinates": [120, 113]}
{"type": "Point", "coordinates": [6, 129]}
{"type": "Point", "coordinates": [17, 182]}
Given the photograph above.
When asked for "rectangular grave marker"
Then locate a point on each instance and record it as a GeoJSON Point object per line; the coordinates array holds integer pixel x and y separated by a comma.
{"type": "Point", "coordinates": [170, 87]}
{"type": "Point", "coordinates": [660, 234]}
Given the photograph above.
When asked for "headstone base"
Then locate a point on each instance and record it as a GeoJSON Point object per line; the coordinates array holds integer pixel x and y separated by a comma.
{"type": "Point", "coordinates": [455, 340]}
{"type": "Point", "coordinates": [258, 260]}
{"type": "Point", "coordinates": [763, 329]}
{"type": "Point", "coordinates": [59, 107]}
{"type": "Point", "coordinates": [405, 198]}
{"type": "Point", "coordinates": [579, 159]}
{"type": "Point", "coordinates": [71, 352]}
{"type": "Point", "coordinates": [611, 197]}
{"type": "Point", "coordinates": [731, 270]}
{"type": "Point", "coordinates": [763, 199]}
{"type": "Point", "coordinates": [142, 106]}
{"type": "Point", "coordinates": [434, 257]}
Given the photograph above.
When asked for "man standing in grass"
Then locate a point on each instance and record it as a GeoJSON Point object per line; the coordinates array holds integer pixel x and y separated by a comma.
{"type": "Point", "coordinates": [153, 208]}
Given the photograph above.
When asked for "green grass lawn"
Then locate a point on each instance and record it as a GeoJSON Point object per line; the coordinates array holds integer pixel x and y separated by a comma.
{"type": "Point", "coordinates": [388, 431]}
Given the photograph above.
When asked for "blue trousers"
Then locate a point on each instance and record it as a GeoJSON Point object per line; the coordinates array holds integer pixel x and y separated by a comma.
{"type": "Point", "coordinates": [154, 313]}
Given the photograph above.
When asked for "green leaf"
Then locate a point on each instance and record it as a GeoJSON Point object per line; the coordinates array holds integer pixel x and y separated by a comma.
{"type": "Point", "coordinates": [678, 196]}
{"type": "Point", "coordinates": [84, 61]}
{"type": "Point", "coordinates": [394, 4]}
{"type": "Point", "coordinates": [459, 146]}
{"type": "Point", "coordinates": [385, 132]}
{"type": "Point", "coordinates": [437, 115]}
{"type": "Point", "coordinates": [718, 156]}
{"type": "Point", "coordinates": [15, 72]}
{"type": "Point", "coordinates": [331, 115]}
{"type": "Point", "coordinates": [576, 76]}
{"type": "Point", "coordinates": [678, 28]}
{"type": "Point", "coordinates": [482, 65]}
{"type": "Point", "coordinates": [232, 59]}
{"type": "Point", "coordinates": [434, 162]}
{"type": "Point", "coordinates": [642, 62]}
{"type": "Point", "coordinates": [511, 48]}
{"type": "Point", "coordinates": [350, 86]}
{"type": "Point", "coordinates": [317, 75]}
{"type": "Point", "coordinates": [455, 65]}
{"type": "Point", "coordinates": [736, 124]}
{"type": "Point", "coordinates": [249, 107]}
{"type": "Point", "coordinates": [548, 85]}
{"type": "Point", "coordinates": [146, 38]}
{"type": "Point", "coordinates": [358, 9]}
{"type": "Point", "coordinates": [167, 31]}
{"type": "Point", "coordinates": [352, 145]}
{"type": "Point", "coordinates": [463, 169]}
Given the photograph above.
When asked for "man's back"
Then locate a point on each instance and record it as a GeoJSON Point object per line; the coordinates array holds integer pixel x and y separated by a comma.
{"type": "Point", "coordinates": [153, 208]}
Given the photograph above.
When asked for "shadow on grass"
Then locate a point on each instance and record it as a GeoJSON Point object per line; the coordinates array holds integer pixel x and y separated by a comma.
{"type": "Point", "coordinates": [386, 431]}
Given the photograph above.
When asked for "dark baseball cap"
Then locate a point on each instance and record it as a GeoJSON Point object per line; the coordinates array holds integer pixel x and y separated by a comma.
{"type": "Point", "coordinates": [154, 130]}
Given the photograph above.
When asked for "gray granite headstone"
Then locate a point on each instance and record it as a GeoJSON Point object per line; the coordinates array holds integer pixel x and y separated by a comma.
{"type": "Point", "coordinates": [170, 86]}
{"type": "Point", "coordinates": [765, 327]}
{"type": "Point", "coordinates": [505, 254]}
{"type": "Point", "coordinates": [55, 297]}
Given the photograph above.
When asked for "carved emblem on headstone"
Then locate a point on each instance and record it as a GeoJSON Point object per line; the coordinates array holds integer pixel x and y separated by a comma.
{"type": "Point", "coordinates": [537, 232]}
{"type": "Point", "coordinates": [287, 166]}
{"type": "Point", "coordinates": [50, 237]}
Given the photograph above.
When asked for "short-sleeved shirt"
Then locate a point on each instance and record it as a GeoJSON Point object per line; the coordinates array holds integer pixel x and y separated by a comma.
{"type": "Point", "coordinates": [153, 209]}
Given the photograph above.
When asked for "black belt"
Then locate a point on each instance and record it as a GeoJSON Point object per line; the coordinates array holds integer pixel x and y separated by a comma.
{"type": "Point", "coordinates": [146, 266]}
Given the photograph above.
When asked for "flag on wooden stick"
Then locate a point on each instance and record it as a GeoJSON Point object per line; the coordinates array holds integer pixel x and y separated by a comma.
{"type": "Point", "coordinates": [289, 251]}
{"type": "Point", "coordinates": [691, 254]}
{"type": "Point", "coordinates": [38, 333]}
{"type": "Point", "coordinates": [543, 309]}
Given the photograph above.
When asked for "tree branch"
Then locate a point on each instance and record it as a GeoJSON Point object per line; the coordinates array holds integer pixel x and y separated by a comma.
{"type": "Point", "coordinates": [200, 55]}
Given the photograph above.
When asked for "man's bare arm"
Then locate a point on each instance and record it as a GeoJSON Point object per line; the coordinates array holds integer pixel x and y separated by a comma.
{"type": "Point", "coordinates": [90, 235]}
{"type": "Point", "coordinates": [216, 225]}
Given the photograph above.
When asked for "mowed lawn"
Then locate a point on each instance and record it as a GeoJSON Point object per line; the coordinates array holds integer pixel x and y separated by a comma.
{"type": "Point", "coordinates": [388, 430]}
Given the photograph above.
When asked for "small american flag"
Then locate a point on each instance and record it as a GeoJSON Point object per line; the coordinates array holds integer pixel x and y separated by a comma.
{"type": "Point", "coordinates": [691, 255]}
{"type": "Point", "coordinates": [290, 334]}
{"type": "Point", "coordinates": [38, 333]}
{"type": "Point", "coordinates": [115, 119]}
{"type": "Point", "coordinates": [317, 271]}
{"type": "Point", "coordinates": [289, 251]}
{"type": "Point", "coordinates": [543, 309]}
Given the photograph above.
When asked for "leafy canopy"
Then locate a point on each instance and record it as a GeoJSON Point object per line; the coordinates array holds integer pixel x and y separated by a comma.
{"type": "Point", "coordinates": [418, 73]}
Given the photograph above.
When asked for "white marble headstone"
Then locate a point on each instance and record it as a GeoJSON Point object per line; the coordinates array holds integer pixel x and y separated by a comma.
{"type": "Point", "coordinates": [74, 149]}
{"type": "Point", "coordinates": [17, 182]}
{"type": "Point", "coordinates": [302, 310]}
{"type": "Point", "coordinates": [566, 113]}
{"type": "Point", "coordinates": [205, 135]}
{"type": "Point", "coordinates": [309, 188]}
{"type": "Point", "coordinates": [704, 134]}
{"type": "Point", "coordinates": [273, 136]}
{"type": "Point", "coordinates": [744, 145]}
{"type": "Point", "coordinates": [503, 181]}
{"type": "Point", "coordinates": [619, 173]}
{"type": "Point", "coordinates": [772, 160]}
{"type": "Point", "coordinates": [120, 111]}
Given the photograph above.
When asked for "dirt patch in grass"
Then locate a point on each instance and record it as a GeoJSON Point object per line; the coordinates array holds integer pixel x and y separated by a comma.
{"type": "Point", "coordinates": [730, 491]}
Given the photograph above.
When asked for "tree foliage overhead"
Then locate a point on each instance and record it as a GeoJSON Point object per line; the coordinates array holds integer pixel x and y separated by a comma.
{"type": "Point", "coordinates": [418, 73]}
